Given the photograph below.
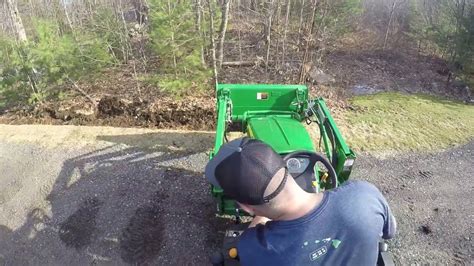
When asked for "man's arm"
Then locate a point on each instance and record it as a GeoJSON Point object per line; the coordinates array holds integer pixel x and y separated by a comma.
{"type": "Point", "coordinates": [379, 204]}
{"type": "Point", "coordinates": [390, 224]}
{"type": "Point", "coordinates": [258, 220]}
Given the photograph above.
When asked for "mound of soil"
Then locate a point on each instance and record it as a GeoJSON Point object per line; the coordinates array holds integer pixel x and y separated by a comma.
{"type": "Point", "coordinates": [119, 100]}
{"type": "Point", "coordinates": [188, 113]}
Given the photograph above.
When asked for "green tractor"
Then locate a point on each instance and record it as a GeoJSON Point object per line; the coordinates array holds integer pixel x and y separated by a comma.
{"type": "Point", "coordinates": [278, 115]}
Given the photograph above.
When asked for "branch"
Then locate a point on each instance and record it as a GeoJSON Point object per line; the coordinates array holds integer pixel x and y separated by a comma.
{"type": "Point", "coordinates": [241, 63]}
{"type": "Point", "coordinates": [81, 91]}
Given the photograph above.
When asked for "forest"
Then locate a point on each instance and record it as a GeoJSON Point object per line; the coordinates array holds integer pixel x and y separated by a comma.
{"type": "Point", "coordinates": [55, 50]}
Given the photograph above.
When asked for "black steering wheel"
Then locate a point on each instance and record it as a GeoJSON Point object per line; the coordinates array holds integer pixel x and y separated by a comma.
{"type": "Point", "coordinates": [313, 159]}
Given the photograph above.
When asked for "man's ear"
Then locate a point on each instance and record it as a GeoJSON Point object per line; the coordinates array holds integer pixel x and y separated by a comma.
{"type": "Point", "coordinates": [247, 208]}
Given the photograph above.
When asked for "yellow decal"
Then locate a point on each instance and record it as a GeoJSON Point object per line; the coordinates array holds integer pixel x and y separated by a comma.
{"type": "Point", "coordinates": [249, 131]}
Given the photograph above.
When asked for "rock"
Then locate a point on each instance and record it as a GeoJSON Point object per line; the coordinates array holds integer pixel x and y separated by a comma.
{"type": "Point", "coordinates": [317, 76]}
{"type": "Point", "coordinates": [366, 90]}
{"type": "Point", "coordinates": [84, 111]}
{"type": "Point", "coordinates": [426, 229]}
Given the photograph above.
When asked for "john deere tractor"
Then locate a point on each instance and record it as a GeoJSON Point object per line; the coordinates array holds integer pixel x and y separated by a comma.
{"type": "Point", "coordinates": [279, 115]}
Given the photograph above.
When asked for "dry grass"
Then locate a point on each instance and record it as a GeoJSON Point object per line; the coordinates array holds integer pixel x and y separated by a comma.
{"type": "Point", "coordinates": [399, 122]}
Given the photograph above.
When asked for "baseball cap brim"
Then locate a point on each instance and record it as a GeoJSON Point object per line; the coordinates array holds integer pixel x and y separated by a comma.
{"type": "Point", "coordinates": [224, 152]}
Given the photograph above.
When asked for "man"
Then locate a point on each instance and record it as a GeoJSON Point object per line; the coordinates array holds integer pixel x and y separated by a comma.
{"type": "Point", "coordinates": [292, 227]}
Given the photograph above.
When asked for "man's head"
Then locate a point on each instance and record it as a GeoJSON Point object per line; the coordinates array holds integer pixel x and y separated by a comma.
{"type": "Point", "coordinates": [252, 173]}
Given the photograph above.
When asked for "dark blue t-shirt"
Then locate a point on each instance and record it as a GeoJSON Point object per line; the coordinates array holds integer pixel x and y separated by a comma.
{"type": "Point", "coordinates": [344, 229]}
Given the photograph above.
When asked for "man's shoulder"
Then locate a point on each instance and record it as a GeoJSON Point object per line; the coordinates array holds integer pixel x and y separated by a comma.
{"type": "Point", "coordinates": [356, 194]}
{"type": "Point", "coordinates": [357, 186]}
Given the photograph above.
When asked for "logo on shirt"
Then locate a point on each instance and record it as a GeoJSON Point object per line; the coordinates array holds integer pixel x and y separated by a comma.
{"type": "Point", "coordinates": [318, 253]}
{"type": "Point", "coordinates": [324, 245]}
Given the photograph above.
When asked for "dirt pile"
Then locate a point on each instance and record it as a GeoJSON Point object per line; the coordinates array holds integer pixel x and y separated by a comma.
{"type": "Point", "coordinates": [188, 113]}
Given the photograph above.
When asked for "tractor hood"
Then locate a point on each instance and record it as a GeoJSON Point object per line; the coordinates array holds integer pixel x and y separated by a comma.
{"type": "Point", "coordinates": [283, 134]}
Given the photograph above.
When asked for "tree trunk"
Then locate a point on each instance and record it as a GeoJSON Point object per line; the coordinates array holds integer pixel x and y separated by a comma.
{"type": "Point", "coordinates": [198, 7]}
{"type": "Point", "coordinates": [222, 30]}
{"type": "Point", "coordinates": [126, 48]}
{"type": "Point", "coordinates": [287, 18]}
{"type": "Point", "coordinates": [241, 63]}
{"type": "Point", "coordinates": [240, 44]}
{"type": "Point", "coordinates": [268, 32]}
{"type": "Point", "coordinates": [253, 5]}
{"type": "Point", "coordinates": [277, 14]}
{"type": "Point", "coordinates": [392, 10]}
{"type": "Point", "coordinates": [309, 40]}
{"type": "Point", "coordinates": [16, 21]}
{"type": "Point", "coordinates": [69, 22]}
{"type": "Point", "coordinates": [300, 28]}
{"type": "Point", "coordinates": [213, 43]}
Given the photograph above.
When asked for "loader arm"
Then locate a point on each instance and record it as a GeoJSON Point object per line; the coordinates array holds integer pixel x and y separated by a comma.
{"type": "Point", "coordinates": [224, 107]}
{"type": "Point", "coordinates": [339, 154]}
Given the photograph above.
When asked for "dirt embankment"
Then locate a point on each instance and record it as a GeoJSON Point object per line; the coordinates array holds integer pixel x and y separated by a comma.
{"type": "Point", "coordinates": [121, 100]}
{"type": "Point", "coordinates": [190, 113]}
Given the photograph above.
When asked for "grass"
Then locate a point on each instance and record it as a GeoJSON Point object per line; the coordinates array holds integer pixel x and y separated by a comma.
{"type": "Point", "coordinates": [399, 122]}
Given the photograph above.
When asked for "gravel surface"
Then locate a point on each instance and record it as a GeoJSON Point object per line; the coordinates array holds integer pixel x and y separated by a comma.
{"type": "Point", "coordinates": [432, 198]}
{"type": "Point", "coordinates": [117, 203]}
{"type": "Point", "coordinates": [114, 205]}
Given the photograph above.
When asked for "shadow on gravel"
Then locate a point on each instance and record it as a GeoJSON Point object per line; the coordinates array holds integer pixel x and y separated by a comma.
{"type": "Point", "coordinates": [168, 142]}
{"type": "Point", "coordinates": [77, 230]}
{"type": "Point", "coordinates": [140, 203]}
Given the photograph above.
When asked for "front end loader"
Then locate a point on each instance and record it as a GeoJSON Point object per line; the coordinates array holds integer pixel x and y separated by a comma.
{"type": "Point", "coordinates": [279, 115]}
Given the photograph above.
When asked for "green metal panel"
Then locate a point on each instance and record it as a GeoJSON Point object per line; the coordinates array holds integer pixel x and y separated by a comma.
{"type": "Point", "coordinates": [262, 97]}
{"type": "Point", "coordinates": [283, 134]}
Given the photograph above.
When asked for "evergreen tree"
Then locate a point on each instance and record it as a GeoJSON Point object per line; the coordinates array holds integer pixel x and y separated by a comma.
{"type": "Point", "coordinates": [177, 43]}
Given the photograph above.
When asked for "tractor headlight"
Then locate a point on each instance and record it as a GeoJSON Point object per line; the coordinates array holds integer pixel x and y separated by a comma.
{"type": "Point", "coordinates": [348, 164]}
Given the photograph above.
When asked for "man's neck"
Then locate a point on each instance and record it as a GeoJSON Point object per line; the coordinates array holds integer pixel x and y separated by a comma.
{"type": "Point", "coordinates": [300, 206]}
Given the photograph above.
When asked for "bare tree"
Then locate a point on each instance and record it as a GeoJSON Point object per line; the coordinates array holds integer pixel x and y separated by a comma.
{"type": "Point", "coordinates": [16, 20]}
{"type": "Point", "coordinates": [222, 30]}
{"type": "Point", "coordinates": [141, 9]}
{"type": "Point", "coordinates": [389, 18]}
{"type": "Point", "coordinates": [309, 40]}
{"type": "Point", "coordinates": [268, 32]}
{"type": "Point", "coordinates": [287, 19]}
{"type": "Point", "coordinates": [392, 10]}
{"type": "Point", "coordinates": [212, 40]}
{"type": "Point", "coordinates": [198, 13]}
{"type": "Point", "coordinates": [253, 5]}
{"type": "Point", "coordinates": [300, 28]}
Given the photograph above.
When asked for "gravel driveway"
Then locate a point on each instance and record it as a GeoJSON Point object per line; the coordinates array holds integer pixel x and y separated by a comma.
{"type": "Point", "coordinates": [117, 201]}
